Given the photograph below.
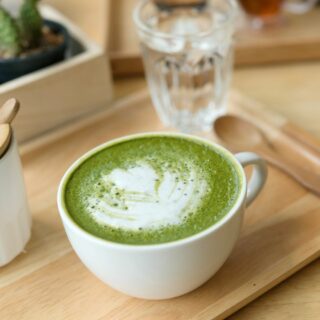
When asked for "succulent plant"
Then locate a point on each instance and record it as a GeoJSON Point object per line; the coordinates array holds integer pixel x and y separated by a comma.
{"type": "Point", "coordinates": [23, 32]}
{"type": "Point", "coordinates": [10, 44]}
{"type": "Point", "coordinates": [30, 23]}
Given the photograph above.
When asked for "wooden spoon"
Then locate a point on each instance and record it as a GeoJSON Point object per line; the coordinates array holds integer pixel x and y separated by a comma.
{"type": "Point", "coordinates": [240, 134]}
{"type": "Point", "coordinates": [9, 110]}
{"type": "Point", "coordinates": [5, 137]}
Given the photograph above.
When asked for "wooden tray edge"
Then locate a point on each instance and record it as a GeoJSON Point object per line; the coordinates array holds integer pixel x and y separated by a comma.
{"type": "Point", "coordinates": [214, 312]}
{"type": "Point", "coordinates": [235, 96]}
{"type": "Point", "coordinates": [78, 124]}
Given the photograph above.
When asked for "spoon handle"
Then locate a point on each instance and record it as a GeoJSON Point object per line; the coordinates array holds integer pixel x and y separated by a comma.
{"type": "Point", "coordinates": [306, 178]}
{"type": "Point", "coordinates": [302, 137]}
{"type": "Point", "coordinates": [9, 110]}
{"type": "Point", "coordinates": [5, 137]}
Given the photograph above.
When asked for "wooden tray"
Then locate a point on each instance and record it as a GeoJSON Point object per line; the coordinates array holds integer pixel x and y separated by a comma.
{"type": "Point", "coordinates": [281, 234]}
{"type": "Point", "coordinates": [297, 39]}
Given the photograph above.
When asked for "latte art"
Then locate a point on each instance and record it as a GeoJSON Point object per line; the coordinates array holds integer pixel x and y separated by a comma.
{"type": "Point", "coordinates": [151, 190]}
{"type": "Point", "coordinates": [143, 197]}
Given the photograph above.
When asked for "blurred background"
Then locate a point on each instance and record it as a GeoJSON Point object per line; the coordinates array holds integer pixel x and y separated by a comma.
{"type": "Point", "coordinates": [273, 48]}
{"type": "Point", "coordinates": [276, 64]}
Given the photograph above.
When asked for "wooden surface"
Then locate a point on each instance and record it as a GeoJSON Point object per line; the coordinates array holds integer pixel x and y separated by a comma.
{"type": "Point", "coordinates": [90, 16]}
{"type": "Point", "coordinates": [9, 110]}
{"type": "Point", "coordinates": [298, 38]}
{"type": "Point", "coordinates": [290, 90]}
{"type": "Point", "coordinates": [280, 235]}
{"type": "Point", "coordinates": [5, 137]}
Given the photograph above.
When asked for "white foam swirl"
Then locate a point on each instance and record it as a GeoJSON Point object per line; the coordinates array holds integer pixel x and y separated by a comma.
{"type": "Point", "coordinates": [138, 198]}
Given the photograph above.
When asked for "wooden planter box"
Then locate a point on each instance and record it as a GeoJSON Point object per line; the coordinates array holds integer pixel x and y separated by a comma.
{"type": "Point", "coordinates": [62, 92]}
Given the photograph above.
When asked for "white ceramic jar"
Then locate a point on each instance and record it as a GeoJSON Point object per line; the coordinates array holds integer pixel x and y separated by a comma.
{"type": "Point", "coordinates": [15, 220]}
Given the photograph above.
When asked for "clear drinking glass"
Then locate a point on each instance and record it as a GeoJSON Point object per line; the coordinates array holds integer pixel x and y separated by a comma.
{"type": "Point", "coordinates": [187, 48]}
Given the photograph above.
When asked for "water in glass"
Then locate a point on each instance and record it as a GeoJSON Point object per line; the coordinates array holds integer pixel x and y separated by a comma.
{"type": "Point", "coordinates": [188, 61]}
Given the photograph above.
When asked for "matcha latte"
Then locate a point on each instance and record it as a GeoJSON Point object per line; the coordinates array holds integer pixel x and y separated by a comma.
{"type": "Point", "coordinates": [152, 189]}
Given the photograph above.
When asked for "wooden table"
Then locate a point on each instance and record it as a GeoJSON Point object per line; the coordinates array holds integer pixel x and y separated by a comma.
{"type": "Point", "coordinates": [292, 90]}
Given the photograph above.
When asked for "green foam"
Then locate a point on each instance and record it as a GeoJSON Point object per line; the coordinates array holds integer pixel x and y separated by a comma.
{"type": "Point", "coordinates": [221, 176]}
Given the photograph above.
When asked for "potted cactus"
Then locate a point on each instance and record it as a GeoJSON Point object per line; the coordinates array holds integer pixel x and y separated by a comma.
{"type": "Point", "coordinates": [28, 42]}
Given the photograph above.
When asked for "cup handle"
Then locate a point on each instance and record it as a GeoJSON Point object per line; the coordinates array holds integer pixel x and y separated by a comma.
{"type": "Point", "coordinates": [299, 7]}
{"type": "Point", "coordinates": [259, 174]}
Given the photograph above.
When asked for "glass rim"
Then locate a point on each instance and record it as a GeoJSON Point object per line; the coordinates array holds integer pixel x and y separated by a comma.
{"type": "Point", "coordinates": [143, 27]}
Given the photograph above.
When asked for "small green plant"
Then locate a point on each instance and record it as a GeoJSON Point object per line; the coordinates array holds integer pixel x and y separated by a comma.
{"type": "Point", "coordinates": [20, 33]}
{"type": "Point", "coordinates": [10, 42]}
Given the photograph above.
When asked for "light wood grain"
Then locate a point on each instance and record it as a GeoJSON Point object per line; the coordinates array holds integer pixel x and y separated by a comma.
{"type": "Point", "coordinates": [297, 298]}
{"type": "Point", "coordinates": [9, 110]}
{"type": "Point", "coordinates": [295, 40]}
{"type": "Point", "coordinates": [280, 235]}
{"type": "Point", "coordinates": [291, 90]}
{"type": "Point", "coordinates": [5, 137]}
{"type": "Point", "coordinates": [257, 112]}
{"type": "Point", "coordinates": [90, 16]}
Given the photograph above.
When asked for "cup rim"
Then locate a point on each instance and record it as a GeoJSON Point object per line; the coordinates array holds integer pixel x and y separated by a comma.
{"type": "Point", "coordinates": [143, 27]}
{"type": "Point", "coordinates": [66, 218]}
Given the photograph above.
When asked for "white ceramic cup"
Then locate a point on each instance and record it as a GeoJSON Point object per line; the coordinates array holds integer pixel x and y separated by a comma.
{"type": "Point", "coordinates": [15, 219]}
{"type": "Point", "coordinates": [161, 271]}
